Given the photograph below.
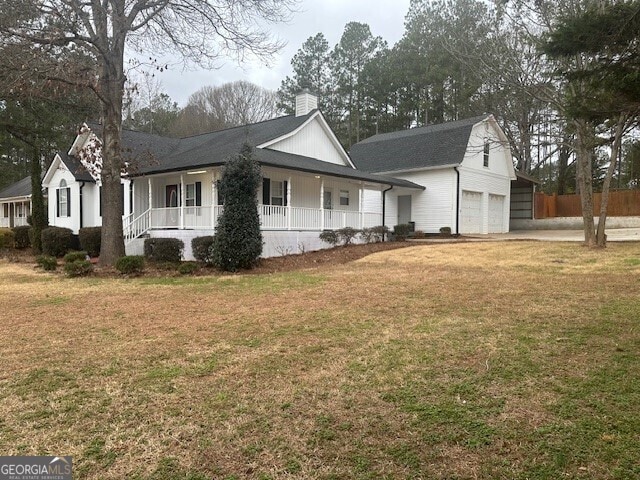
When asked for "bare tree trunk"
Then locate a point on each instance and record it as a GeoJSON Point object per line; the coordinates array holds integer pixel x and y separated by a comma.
{"type": "Point", "coordinates": [563, 167]}
{"type": "Point", "coordinates": [604, 202]}
{"type": "Point", "coordinates": [112, 81]}
{"type": "Point", "coordinates": [584, 138]}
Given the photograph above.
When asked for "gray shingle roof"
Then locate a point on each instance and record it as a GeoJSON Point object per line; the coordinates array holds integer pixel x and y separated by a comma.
{"type": "Point", "coordinates": [151, 154]}
{"type": "Point", "coordinates": [431, 146]}
{"type": "Point", "coordinates": [22, 188]}
{"type": "Point", "coordinates": [75, 167]}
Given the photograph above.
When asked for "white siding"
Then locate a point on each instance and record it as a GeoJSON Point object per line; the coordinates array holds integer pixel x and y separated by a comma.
{"type": "Point", "coordinates": [73, 221]}
{"type": "Point", "coordinates": [431, 208]}
{"type": "Point", "coordinates": [372, 201]}
{"type": "Point", "coordinates": [312, 141]}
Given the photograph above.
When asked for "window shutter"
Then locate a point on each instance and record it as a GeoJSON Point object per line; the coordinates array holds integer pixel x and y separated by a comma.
{"type": "Point", "coordinates": [198, 194]}
{"type": "Point", "coordinates": [266, 191]}
{"type": "Point", "coordinates": [68, 201]}
{"type": "Point", "coordinates": [57, 202]}
{"type": "Point", "coordinates": [122, 198]}
{"type": "Point", "coordinates": [131, 197]}
{"type": "Point", "coordinates": [285, 188]}
{"type": "Point", "coordinates": [100, 195]}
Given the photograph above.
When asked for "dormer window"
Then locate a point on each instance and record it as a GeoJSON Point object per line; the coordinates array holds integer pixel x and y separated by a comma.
{"type": "Point", "coordinates": [486, 154]}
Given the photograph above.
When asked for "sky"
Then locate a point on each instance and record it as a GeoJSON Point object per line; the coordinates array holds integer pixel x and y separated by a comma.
{"type": "Point", "coordinates": [386, 19]}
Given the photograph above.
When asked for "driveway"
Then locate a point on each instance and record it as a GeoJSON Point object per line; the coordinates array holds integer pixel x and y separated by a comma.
{"type": "Point", "coordinates": [613, 235]}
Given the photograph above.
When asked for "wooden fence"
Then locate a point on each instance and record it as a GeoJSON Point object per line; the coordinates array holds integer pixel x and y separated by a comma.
{"type": "Point", "coordinates": [622, 203]}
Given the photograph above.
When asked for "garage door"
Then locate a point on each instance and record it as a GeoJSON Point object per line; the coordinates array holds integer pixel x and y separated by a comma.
{"type": "Point", "coordinates": [471, 212]}
{"type": "Point", "coordinates": [496, 213]}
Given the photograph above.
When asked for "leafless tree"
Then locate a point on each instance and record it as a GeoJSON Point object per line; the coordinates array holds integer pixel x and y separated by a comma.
{"type": "Point", "coordinates": [200, 31]}
{"type": "Point", "coordinates": [229, 105]}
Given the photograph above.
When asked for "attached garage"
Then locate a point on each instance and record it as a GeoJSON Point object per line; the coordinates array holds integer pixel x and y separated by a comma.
{"type": "Point", "coordinates": [471, 221]}
{"type": "Point", "coordinates": [496, 213]}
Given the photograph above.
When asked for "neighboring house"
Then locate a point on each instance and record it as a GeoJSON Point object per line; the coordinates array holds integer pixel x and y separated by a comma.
{"type": "Point", "coordinates": [309, 183]}
{"type": "Point", "coordinates": [15, 204]}
{"type": "Point", "coordinates": [465, 166]}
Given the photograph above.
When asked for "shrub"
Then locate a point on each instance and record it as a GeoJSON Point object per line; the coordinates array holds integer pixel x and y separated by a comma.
{"type": "Point", "coordinates": [21, 236]}
{"type": "Point", "coordinates": [163, 249]}
{"type": "Point", "coordinates": [419, 234]}
{"type": "Point", "coordinates": [56, 241]}
{"type": "Point", "coordinates": [238, 240]}
{"type": "Point", "coordinates": [6, 238]}
{"type": "Point", "coordinates": [445, 231]}
{"type": "Point", "coordinates": [187, 268]}
{"type": "Point", "coordinates": [202, 248]}
{"type": "Point", "coordinates": [130, 264]}
{"type": "Point", "coordinates": [78, 268]}
{"type": "Point", "coordinates": [401, 232]}
{"type": "Point", "coordinates": [378, 233]}
{"type": "Point", "coordinates": [90, 240]}
{"type": "Point", "coordinates": [73, 256]}
{"type": "Point", "coordinates": [47, 262]}
{"type": "Point", "coordinates": [347, 234]}
{"type": "Point", "coordinates": [330, 237]}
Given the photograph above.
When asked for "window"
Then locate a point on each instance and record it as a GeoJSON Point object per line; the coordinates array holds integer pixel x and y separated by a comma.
{"type": "Point", "coordinates": [190, 199]}
{"type": "Point", "coordinates": [274, 192]}
{"type": "Point", "coordinates": [344, 197]}
{"type": "Point", "coordinates": [5, 210]}
{"type": "Point", "coordinates": [486, 153]}
{"type": "Point", "coordinates": [63, 203]}
{"type": "Point", "coordinates": [327, 201]}
{"type": "Point", "coordinates": [20, 210]}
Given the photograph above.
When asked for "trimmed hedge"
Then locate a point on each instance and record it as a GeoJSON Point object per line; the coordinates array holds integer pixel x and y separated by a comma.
{"type": "Point", "coordinates": [47, 262]}
{"type": "Point", "coordinates": [130, 264]}
{"type": "Point", "coordinates": [6, 238]}
{"type": "Point", "coordinates": [401, 232]}
{"type": "Point", "coordinates": [75, 256]}
{"type": "Point", "coordinates": [347, 234]}
{"type": "Point", "coordinates": [90, 240]}
{"type": "Point", "coordinates": [21, 236]}
{"type": "Point", "coordinates": [163, 249]}
{"type": "Point", "coordinates": [78, 268]}
{"type": "Point", "coordinates": [445, 231]}
{"type": "Point", "coordinates": [202, 248]}
{"type": "Point", "coordinates": [56, 241]}
{"type": "Point", "coordinates": [330, 237]}
{"type": "Point", "coordinates": [187, 268]}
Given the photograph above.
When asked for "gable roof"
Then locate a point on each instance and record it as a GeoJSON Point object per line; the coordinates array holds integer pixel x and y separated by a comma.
{"type": "Point", "coordinates": [153, 154]}
{"type": "Point", "coordinates": [432, 146]}
{"type": "Point", "coordinates": [22, 188]}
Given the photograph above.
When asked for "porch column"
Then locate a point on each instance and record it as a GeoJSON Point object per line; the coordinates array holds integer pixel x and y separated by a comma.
{"type": "Point", "coordinates": [214, 199]}
{"type": "Point", "coordinates": [322, 204]}
{"type": "Point", "coordinates": [182, 201]}
{"type": "Point", "coordinates": [361, 204]}
{"type": "Point", "coordinates": [289, 203]}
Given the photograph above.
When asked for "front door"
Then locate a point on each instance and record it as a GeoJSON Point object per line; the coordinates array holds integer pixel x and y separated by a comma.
{"type": "Point", "coordinates": [404, 209]}
{"type": "Point", "coordinates": [327, 201]}
{"type": "Point", "coordinates": [172, 218]}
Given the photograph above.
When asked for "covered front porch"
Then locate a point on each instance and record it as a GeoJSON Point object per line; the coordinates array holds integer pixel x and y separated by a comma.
{"type": "Point", "coordinates": [14, 213]}
{"type": "Point", "coordinates": [288, 200]}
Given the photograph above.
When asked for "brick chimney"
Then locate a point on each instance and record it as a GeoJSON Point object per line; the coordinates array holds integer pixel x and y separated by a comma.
{"type": "Point", "coordinates": [305, 102]}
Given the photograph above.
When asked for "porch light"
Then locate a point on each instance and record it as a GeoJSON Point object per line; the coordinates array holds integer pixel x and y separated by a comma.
{"type": "Point", "coordinates": [317, 176]}
{"type": "Point", "coordinates": [198, 172]}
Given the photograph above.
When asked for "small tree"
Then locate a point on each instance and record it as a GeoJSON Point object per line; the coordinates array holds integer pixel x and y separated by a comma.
{"type": "Point", "coordinates": [238, 241]}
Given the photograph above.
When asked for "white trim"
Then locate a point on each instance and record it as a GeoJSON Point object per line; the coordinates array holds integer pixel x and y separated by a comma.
{"type": "Point", "coordinates": [417, 169]}
{"type": "Point", "coordinates": [80, 141]}
{"type": "Point", "coordinates": [57, 161]}
{"type": "Point", "coordinates": [327, 129]}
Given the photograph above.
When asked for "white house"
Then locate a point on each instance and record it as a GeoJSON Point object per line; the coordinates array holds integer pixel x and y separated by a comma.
{"type": "Point", "coordinates": [309, 183]}
{"type": "Point", "coordinates": [15, 204]}
{"type": "Point", "coordinates": [74, 191]}
{"type": "Point", "coordinates": [465, 166]}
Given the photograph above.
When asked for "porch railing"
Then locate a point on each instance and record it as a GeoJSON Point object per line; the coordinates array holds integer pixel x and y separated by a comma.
{"type": "Point", "coordinates": [272, 217]}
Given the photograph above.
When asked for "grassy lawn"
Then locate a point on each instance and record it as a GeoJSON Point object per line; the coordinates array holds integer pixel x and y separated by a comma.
{"type": "Point", "coordinates": [515, 360]}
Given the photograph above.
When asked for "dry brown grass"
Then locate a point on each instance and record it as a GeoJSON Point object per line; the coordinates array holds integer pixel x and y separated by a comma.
{"type": "Point", "coordinates": [476, 360]}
